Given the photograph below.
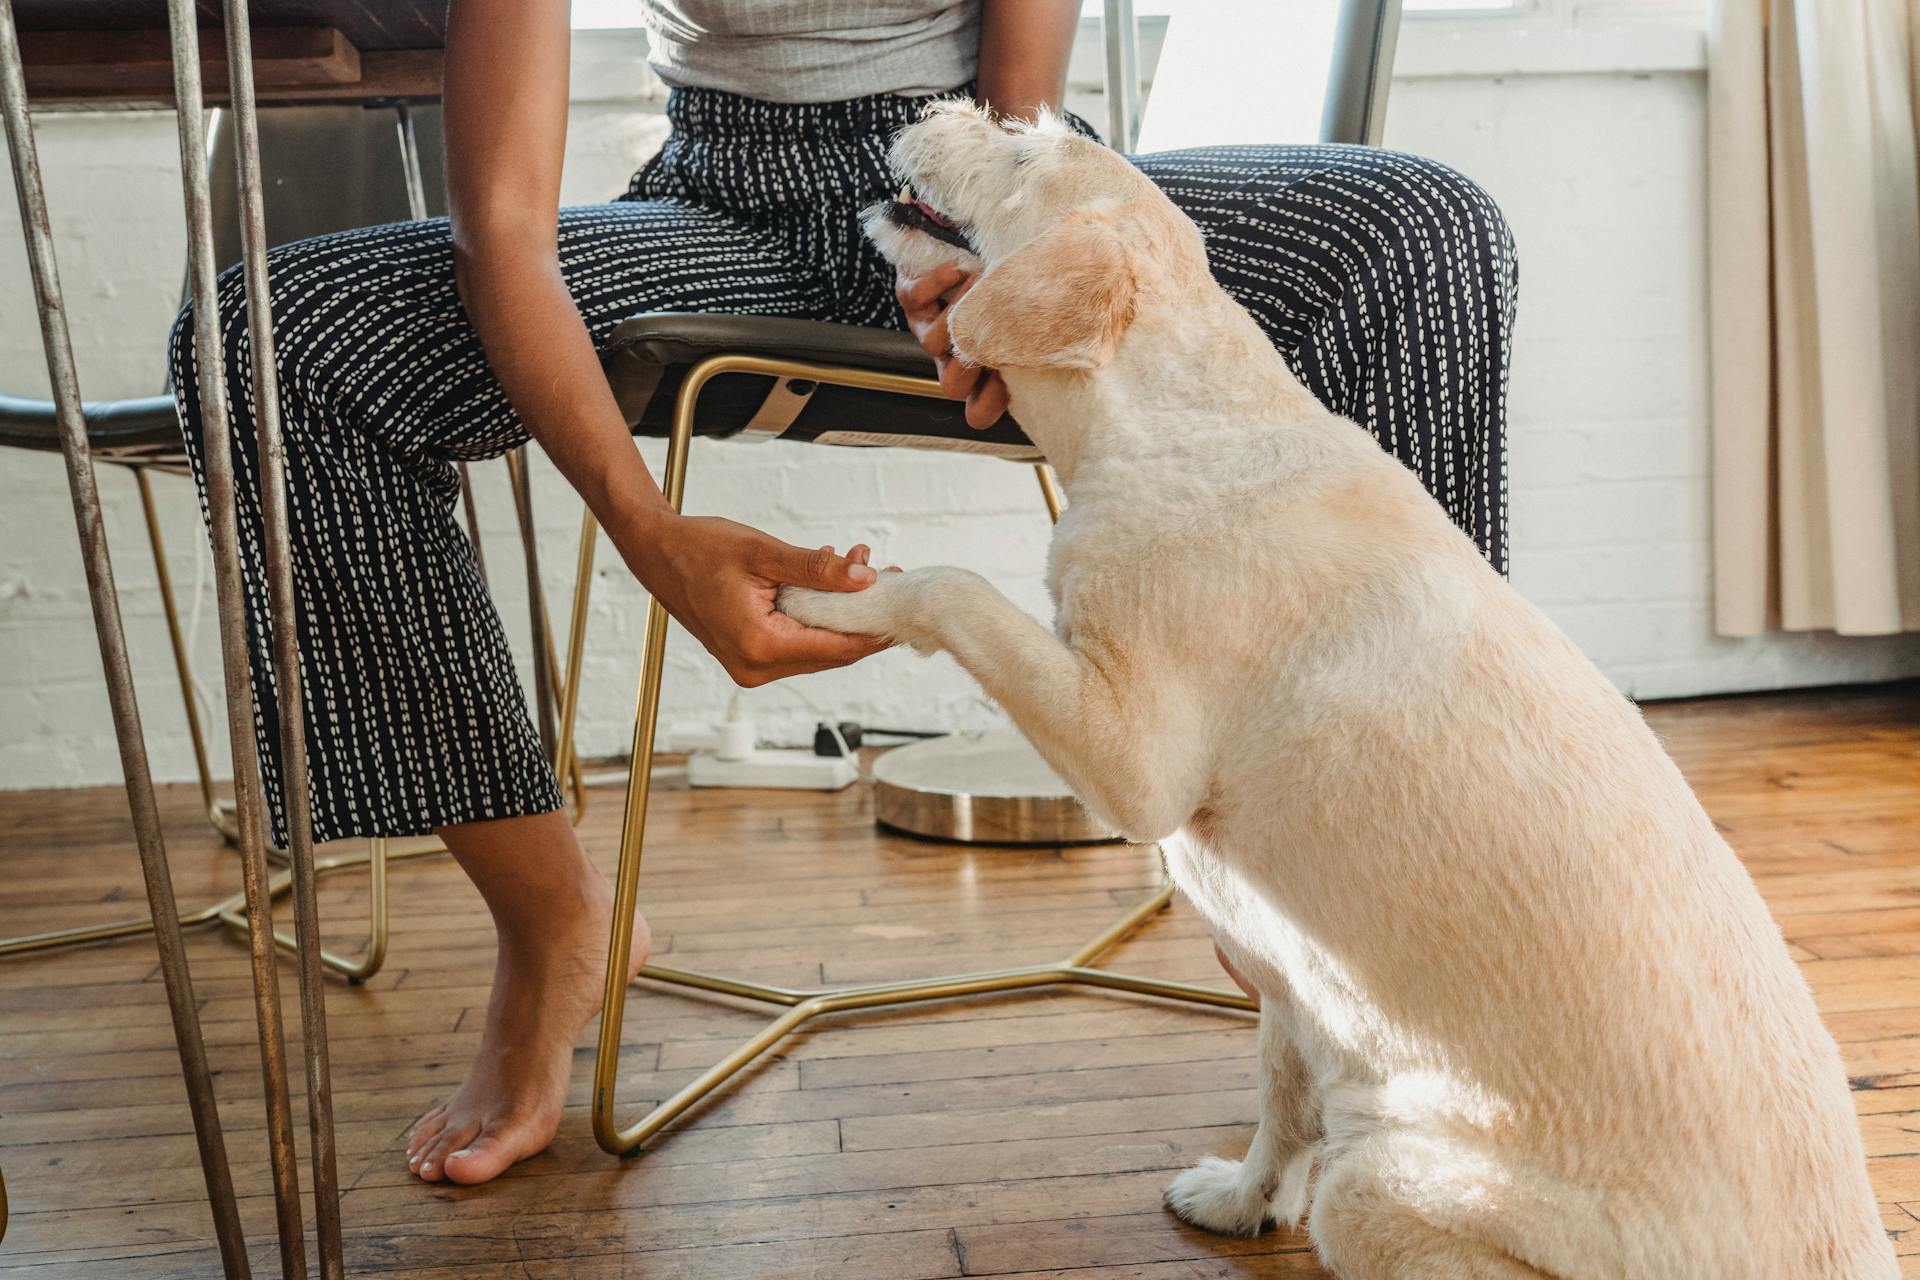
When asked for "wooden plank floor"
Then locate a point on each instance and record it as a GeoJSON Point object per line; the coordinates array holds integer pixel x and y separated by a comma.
{"type": "Point", "coordinates": [1026, 1136]}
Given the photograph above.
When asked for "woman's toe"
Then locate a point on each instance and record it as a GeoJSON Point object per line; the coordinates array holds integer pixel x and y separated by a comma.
{"type": "Point", "coordinates": [482, 1160]}
{"type": "Point", "coordinates": [424, 1130]}
{"type": "Point", "coordinates": [433, 1160]}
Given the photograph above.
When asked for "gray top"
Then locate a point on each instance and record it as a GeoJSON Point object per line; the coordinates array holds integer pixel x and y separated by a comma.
{"type": "Point", "coordinates": [814, 50]}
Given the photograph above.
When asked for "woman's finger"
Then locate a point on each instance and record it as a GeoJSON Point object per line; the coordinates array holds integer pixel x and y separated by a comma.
{"type": "Point", "coordinates": [933, 335]}
{"type": "Point", "coordinates": [987, 402]}
{"type": "Point", "coordinates": [821, 568]}
{"type": "Point", "coordinates": [958, 379]}
{"type": "Point", "coordinates": [958, 290]}
{"type": "Point", "coordinates": [923, 293]}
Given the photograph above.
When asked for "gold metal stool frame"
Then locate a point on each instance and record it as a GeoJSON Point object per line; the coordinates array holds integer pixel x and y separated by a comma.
{"type": "Point", "coordinates": [800, 1005]}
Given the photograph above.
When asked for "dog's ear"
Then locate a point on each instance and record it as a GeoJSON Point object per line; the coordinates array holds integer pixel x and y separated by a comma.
{"type": "Point", "coordinates": [1062, 302]}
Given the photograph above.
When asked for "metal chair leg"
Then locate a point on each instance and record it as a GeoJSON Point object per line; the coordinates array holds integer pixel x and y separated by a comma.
{"type": "Point", "coordinates": [58, 346]}
{"type": "Point", "coordinates": [1049, 491]}
{"type": "Point", "coordinates": [217, 810]}
{"type": "Point", "coordinates": [800, 1005]}
{"type": "Point", "coordinates": [547, 674]}
{"type": "Point", "coordinates": [275, 525]}
{"type": "Point", "coordinates": [566, 764]}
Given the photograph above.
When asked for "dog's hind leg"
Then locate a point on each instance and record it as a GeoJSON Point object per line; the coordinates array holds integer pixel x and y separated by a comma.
{"type": "Point", "coordinates": [1239, 1197]}
{"type": "Point", "coordinates": [1362, 1231]}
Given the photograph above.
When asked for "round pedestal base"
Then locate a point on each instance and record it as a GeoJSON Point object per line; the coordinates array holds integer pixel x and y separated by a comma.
{"type": "Point", "coordinates": [980, 788]}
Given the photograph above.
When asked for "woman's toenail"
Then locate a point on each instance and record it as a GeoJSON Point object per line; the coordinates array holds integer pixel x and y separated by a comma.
{"type": "Point", "coordinates": [461, 1154]}
{"type": "Point", "coordinates": [427, 1167]}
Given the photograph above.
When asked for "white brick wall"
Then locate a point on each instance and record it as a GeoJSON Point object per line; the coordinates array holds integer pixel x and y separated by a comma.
{"type": "Point", "coordinates": [1601, 174]}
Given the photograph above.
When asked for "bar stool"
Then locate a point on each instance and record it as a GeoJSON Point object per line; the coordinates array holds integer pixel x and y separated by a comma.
{"type": "Point", "coordinates": [743, 376]}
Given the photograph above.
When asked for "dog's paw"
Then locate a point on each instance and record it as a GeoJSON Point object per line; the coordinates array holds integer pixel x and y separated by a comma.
{"type": "Point", "coordinates": [1217, 1195]}
{"type": "Point", "coordinates": [863, 613]}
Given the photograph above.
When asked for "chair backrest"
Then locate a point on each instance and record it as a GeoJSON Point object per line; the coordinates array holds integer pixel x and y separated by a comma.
{"type": "Point", "coordinates": [1271, 71]}
{"type": "Point", "coordinates": [328, 168]}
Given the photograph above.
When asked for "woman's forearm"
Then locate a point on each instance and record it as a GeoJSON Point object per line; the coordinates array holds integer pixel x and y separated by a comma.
{"type": "Point", "coordinates": [1024, 47]}
{"type": "Point", "coordinates": [545, 360]}
{"type": "Point", "coordinates": [506, 125]}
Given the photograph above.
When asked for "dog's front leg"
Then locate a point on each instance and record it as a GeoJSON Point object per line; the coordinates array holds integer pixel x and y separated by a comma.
{"type": "Point", "coordinates": [1239, 1197]}
{"type": "Point", "coordinates": [1127, 751]}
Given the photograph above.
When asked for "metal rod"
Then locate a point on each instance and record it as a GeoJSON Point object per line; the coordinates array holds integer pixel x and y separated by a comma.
{"type": "Point", "coordinates": [519, 474]}
{"type": "Point", "coordinates": [283, 610]}
{"type": "Point", "coordinates": [1049, 490]}
{"type": "Point", "coordinates": [1122, 38]}
{"type": "Point", "coordinates": [606, 1065]}
{"type": "Point", "coordinates": [182, 662]}
{"type": "Point", "coordinates": [546, 663]}
{"type": "Point", "coordinates": [725, 986]}
{"type": "Point", "coordinates": [633, 830]}
{"type": "Point", "coordinates": [564, 760]}
{"type": "Point", "coordinates": [155, 870]}
{"type": "Point", "coordinates": [233, 911]}
{"type": "Point", "coordinates": [1122, 927]}
{"type": "Point", "coordinates": [913, 991]}
{"type": "Point", "coordinates": [223, 522]}
{"type": "Point", "coordinates": [473, 522]}
{"type": "Point", "coordinates": [410, 162]}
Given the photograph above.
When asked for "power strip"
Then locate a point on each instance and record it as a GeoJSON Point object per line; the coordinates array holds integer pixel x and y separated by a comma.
{"type": "Point", "coordinates": [766, 767]}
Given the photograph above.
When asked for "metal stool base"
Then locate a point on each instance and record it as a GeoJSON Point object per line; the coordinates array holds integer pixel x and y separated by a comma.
{"type": "Point", "coordinates": [805, 1005]}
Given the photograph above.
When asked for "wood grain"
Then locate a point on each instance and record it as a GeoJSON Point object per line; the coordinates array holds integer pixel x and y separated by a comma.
{"type": "Point", "coordinates": [1027, 1136]}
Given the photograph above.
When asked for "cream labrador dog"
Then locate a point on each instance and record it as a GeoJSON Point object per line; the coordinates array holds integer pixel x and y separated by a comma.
{"type": "Point", "coordinates": [1523, 1012]}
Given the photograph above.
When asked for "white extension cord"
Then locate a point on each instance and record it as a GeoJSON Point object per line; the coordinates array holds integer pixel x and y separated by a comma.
{"type": "Point", "coordinates": [725, 754]}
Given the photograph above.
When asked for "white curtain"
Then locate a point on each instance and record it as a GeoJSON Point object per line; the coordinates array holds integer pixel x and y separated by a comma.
{"type": "Point", "coordinates": [1814, 255]}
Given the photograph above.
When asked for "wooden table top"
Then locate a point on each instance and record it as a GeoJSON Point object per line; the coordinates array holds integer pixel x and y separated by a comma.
{"type": "Point", "coordinates": [93, 54]}
{"type": "Point", "coordinates": [370, 25]}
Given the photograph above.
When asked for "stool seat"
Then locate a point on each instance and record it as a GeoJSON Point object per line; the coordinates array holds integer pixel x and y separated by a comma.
{"type": "Point", "coordinates": [145, 430]}
{"type": "Point", "coordinates": [646, 360]}
{"type": "Point", "coordinates": [648, 357]}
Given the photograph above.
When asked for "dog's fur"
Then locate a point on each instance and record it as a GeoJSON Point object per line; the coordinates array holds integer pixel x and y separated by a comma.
{"type": "Point", "coordinates": [1523, 1012]}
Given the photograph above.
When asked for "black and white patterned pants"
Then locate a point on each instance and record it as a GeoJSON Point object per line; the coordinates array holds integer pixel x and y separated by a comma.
{"type": "Point", "coordinates": [1386, 280]}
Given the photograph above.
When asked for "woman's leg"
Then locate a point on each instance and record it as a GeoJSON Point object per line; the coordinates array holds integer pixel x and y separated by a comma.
{"type": "Point", "coordinates": [1388, 281]}
{"type": "Point", "coordinates": [414, 715]}
{"type": "Point", "coordinates": [551, 911]}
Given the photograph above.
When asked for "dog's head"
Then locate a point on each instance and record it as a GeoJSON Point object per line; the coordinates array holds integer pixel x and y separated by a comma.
{"type": "Point", "coordinates": [1072, 240]}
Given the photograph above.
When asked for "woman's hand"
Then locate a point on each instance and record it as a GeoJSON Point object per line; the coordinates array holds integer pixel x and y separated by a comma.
{"type": "Point", "coordinates": [718, 578]}
{"type": "Point", "coordinates": [926, 300]}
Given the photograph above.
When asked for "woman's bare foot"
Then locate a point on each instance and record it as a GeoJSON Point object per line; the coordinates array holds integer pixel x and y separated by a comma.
{"type": "Point", "coordinates": [553, 910]}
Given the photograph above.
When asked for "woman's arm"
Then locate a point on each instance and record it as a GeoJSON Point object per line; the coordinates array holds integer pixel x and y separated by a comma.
{"type": "Point", "coordinates": [506, 125]}
{"type": "Point", "coordinates": [1024, 47]}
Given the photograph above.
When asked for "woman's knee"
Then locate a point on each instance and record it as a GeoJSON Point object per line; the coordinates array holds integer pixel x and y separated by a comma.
{"type": "Point", "coordinates": [1445, 224]}
{"type": "Point", "coordinates": [183, 344]}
